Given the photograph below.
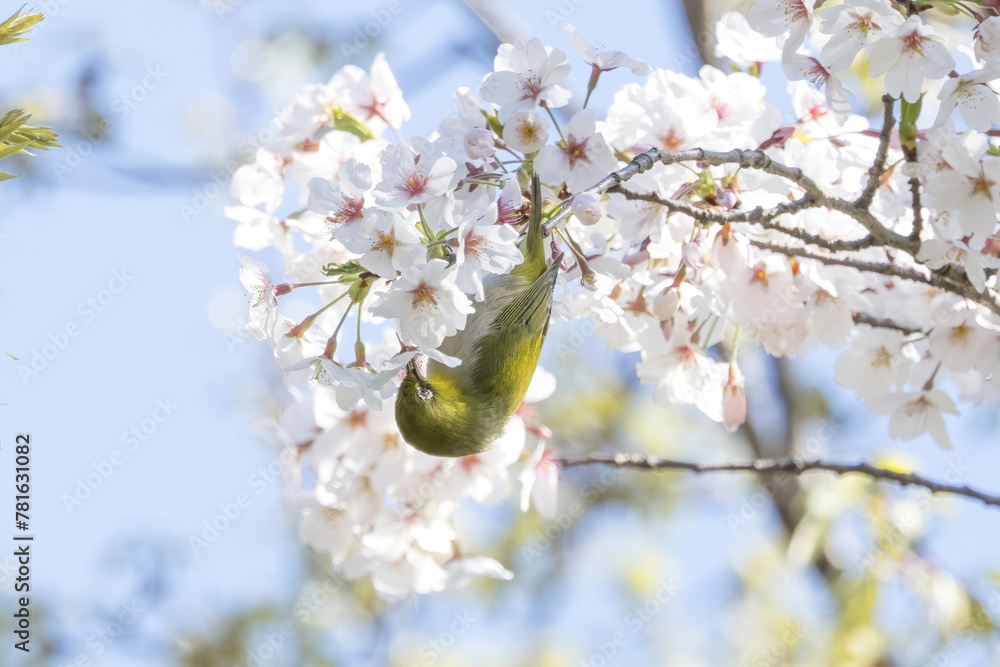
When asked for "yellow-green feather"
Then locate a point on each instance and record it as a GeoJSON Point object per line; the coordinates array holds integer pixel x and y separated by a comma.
{"type": "Point", "coordinates": [464, 409]}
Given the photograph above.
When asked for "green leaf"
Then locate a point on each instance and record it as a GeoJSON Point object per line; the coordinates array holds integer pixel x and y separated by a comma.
{"type": "Point", "coordinates": [13, 149]}
{"type": "Point", "coordinates": [11, 122]}
{"type": "Point", "coordinates": [345, 122]}
{"type": "Point", "coordinates": [15, 28]}
{"type": "Point", "coordinates": [494, 123]}
{"type": "Point", "coordinates": [6, 175]}
{"type": "Point", "coordinates": [908, 123]}
{"type": "Point", "coordinates": [351, 268]}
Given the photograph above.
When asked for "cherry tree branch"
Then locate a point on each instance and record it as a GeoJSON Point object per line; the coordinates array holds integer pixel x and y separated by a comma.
{"type": "Point", "coordinates": [813, 196]}
{"type": "Point", "coordinates": [878, 169]}
{"type": "Point", "coordinates": [791, 466]}
{"type": "Point", "coordinates": [760, 216]}
{"type": "Point", "coordinates": [882, 323]}
{"type": "Point", "coordinates": [939, 279]}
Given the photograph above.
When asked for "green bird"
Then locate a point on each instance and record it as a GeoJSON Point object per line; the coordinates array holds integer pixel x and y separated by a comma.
{"type": "Point", "coordinates": [461, 411]}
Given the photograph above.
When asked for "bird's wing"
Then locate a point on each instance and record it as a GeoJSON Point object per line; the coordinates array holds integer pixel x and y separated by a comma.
{"type": "Point", "coordinates": [530, 309]}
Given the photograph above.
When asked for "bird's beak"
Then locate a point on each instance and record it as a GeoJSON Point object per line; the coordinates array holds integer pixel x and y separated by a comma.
{"type": "Point", "coordinates": [411, 369]}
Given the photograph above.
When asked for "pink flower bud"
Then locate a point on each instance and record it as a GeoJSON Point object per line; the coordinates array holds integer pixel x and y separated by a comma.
{"type": "Point", "coordinates": [726, 198]}
{"type": "Point", "coordinates": [693, 255]}
{"type": "Point", "coordinates": [479, 143]}
{"type": "Point", "coordinates": [666, 305]}
{"type": "Point", "coordinates": [586, 207]}
{"type": "Point", "coordinates": [734, 405]}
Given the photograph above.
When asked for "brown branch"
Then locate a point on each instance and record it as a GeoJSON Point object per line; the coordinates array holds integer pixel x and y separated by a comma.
{"type": "Point", "coordinates": [760, 216]}
{"type": "Point", "coordinates": [792, 466]}
{"type": "Point", "coordinates": [939, 279]}
{"type": "Point", "coordinates": [881, 268]}
{"type": "Point", "coordinates": [918, 217]}
{"type": "Point", "coordinates": [875, 173]}
{"type": "Point", "coordinates": [881, 323]}
{"type": "Point", "coordinates": [759, 160]}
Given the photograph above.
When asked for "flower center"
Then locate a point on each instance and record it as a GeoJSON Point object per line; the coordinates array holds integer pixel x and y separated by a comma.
{"type": "Point", "coordinates": [424, 293]}
{"type": "Point", "coordinates": [415, 183]}
{"type": "Point", "coordinates": [576, 151]}
{"type": "Point", "coordinates": [914, 42]}
{"type": "Point", "coordinates": [672, 140]}
{"type": "Point", "coordinates": [474, 244]}
{"type": "Point", "coordinates": [351, 210]}
{"type": "Point", "coordinates": [531, 88]}
{"type": "Point", "coordinates": [386, 242]}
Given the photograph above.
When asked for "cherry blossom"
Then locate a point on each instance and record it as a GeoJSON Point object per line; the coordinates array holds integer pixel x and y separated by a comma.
{"type": "Point", "coordinates": [915, 413]}
{"type": "Point", "coordinates": [526, 131]}
{"type": "Point", "coordinates": [855, 26]}
{"type": "Point", "coordinates": [773, 18]}
{"type": "Point", "coordinates": [788, 246]}
{"type": "Point", "coordinates": [427, 305]}
{"type": "Point", "coordinates": [604, 61]}
{"type": "Point", "coordinates": [526, 75]}
{"type": "Point", "coordinates": [736, 40]}
{"type": "Point", "coordinates": [977, 103]}
{"type": "Point", "coordinates": [260, 182]}
{"type": "Point", "coordinates": [582, 161]}
{"type": "Point", "coordinates": [412, 178]}
{"type": "Point", "coordinates": [986, 40]}
{"type": "Point", "coordinates": [540, 481]}
{"type": "Point", "coordinates": [907, 55]}
{"type": "Point", "coordinates": [485, 248]}
{"type": "Point", "coordinates": [388, 243]}
{"type": "Point", "coordinates": [804, 68]}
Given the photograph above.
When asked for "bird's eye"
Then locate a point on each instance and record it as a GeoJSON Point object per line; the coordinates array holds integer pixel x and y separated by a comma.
{"type": "Point", "coordinates": [425, 393]}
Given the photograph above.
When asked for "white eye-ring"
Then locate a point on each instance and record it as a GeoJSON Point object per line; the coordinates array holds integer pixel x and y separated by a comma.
{"type": "Point", "coordinates": [424, 393]}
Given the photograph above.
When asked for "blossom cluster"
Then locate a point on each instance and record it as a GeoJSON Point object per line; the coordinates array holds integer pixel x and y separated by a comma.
{"type": "Point", "coordinates": [884, 245]}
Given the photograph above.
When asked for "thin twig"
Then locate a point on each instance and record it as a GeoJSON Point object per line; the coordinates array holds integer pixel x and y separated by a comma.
{"type": "Point", "coordinates": [881, 268]}
{"type": "Point", "coordinates": [760, 216]}
{"type": "Point", "coordinates": [759, 160]}
{"type": "Point", "coordinates": [918, 217]}
{"type": "Point", "coordinates": [792, 466]}
{"type": "Point", "coordinates": [882, 323]}
{"type": "Point", "coordinates": [875, 173]}
{"type": "Point", "coordinates": [938, 279]}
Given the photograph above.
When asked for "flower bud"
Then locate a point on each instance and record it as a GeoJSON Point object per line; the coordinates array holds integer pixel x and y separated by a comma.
{"type": "Point", "coordinates": [479, 143]}
{"type": "Point", "coordinates": [666, 305]}
{"type": "Point", "coordinates": [693, 255]}
{"type": "Point", "coordinates": [734, 406]}
{"type": "Point", "coordinates": [726, 199]}
{"type": "Point", "coordinates": [586, 207]}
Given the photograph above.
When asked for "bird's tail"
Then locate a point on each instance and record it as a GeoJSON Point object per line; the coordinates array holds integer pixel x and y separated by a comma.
{"type": "Point", "coordinates": [534, 244]}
